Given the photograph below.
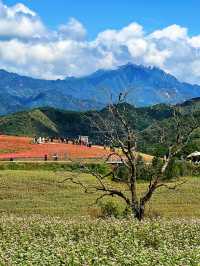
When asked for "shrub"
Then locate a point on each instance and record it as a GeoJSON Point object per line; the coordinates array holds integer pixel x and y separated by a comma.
{"type": "Point", "coordinates": [110, 209]}
{"type": "Point", "coordinates": [121, 173]}
{"type": "Point", "coordinates": [143, 171]}
{"type": "Point", "coordinates": [100, 168]}
{"type": "Point", "coordinates": [179, 168]}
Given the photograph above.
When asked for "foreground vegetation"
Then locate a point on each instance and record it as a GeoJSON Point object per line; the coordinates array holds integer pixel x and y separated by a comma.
{"type": "Point", "coordinates": [45, 222]}
{"type": "Point", "coordinates": [51, 241]}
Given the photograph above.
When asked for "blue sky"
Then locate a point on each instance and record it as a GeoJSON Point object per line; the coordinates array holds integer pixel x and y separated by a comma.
{"type": "Point", "coordinates": [98, 15]}
{"type": "Point", "coordinates": [54, 39]}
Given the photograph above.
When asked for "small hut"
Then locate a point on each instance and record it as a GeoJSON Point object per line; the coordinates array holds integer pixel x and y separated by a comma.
{"type": "Point", "coordinates": [194, 157]}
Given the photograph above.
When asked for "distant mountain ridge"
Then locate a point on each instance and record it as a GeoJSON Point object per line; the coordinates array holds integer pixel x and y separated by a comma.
{"type": "Point", "coordinates": [145, 85]}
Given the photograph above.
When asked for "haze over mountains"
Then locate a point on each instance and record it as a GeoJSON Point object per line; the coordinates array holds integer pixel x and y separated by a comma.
{"type": "Point", "coordinates": [145, 85]}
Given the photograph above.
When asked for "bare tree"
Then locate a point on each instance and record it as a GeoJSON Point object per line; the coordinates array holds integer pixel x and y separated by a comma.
{"type": "Point", "coordinates": [117, 130]}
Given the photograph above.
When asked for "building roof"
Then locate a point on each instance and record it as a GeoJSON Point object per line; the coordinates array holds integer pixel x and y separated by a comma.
{"type": "Point", "coordinates": [114, 162]}
{"type": "Point", "coordinates": [114, 159]}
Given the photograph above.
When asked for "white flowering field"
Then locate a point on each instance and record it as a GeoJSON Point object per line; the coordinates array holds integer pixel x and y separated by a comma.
{"type": "Point", "coordinates": [52, 241]}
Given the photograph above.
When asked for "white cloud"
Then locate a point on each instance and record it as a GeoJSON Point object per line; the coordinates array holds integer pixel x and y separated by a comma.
{"type": "Point", "coordinates": [19, 21]}
{"type": "Point", "coordinates": [195, 41]}
{"type": "Point", "coordinates": [173, 32]}
{"type": "Point", "coordinates": [109, 37]}
{"type": "Point", "coordinates": [155, 56]}
{"type": "Point", "coordinates": [28, 47]}
{"type": "Point", "coordinates": [20, 8]}
{"type": "Point", "coordinates": [72, 30]}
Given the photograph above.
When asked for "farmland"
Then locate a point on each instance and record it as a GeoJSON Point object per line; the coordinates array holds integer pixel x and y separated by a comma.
{"type": "Point", "coordinates": [22, 147]}
{"type": "Point", "coordinates": [45, 222]}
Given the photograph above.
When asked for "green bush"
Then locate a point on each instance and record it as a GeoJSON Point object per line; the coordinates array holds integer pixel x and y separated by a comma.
{"type": "Point", "coordinates": [121, 173]}
{"type": "Point", "coordinates": [109, 209]}
{"type": "Point", "coordinates": [102, 169]}
{"type": "Point", "coordinates": [144, 171]}
{"type": "Point", "coordinates": [176, 168]}
{"type": "Point", "coordinates": [179, 168]}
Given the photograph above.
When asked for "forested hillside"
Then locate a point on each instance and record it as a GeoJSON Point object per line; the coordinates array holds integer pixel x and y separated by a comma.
{"type": "Point", "coordinates": [152, 124]}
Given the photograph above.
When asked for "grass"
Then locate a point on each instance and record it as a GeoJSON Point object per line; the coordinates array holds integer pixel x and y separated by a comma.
{"type": "Point", "coordinates": [40, 192]}
{"type": "Point", "coordinates": [50, 165]}
{"type": "Point", "coordinates": [38, 165]}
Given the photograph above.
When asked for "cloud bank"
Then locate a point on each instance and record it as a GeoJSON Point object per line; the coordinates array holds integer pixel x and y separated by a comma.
{"type": "Point", "coordinates": [29, 47]}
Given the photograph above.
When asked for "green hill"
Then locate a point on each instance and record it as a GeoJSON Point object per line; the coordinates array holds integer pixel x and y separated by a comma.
{"type": "Point", "coordinates": [44, 122]}
{"type": "Point", "coordinates": [54, 122]}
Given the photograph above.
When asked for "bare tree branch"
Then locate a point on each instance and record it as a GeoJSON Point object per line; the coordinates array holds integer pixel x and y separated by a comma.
{"type": "Point", "coordinates": [118, 132]}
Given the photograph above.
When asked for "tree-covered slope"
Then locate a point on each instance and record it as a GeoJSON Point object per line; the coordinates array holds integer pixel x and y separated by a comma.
{"type": "Point", "coordinates": [56, 122]}
{"type": "Point", "coordinates": [43, 122]}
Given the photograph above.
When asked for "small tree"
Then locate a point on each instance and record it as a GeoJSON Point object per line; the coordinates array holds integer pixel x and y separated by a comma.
{"type": "Point", "coordinates": [117, 129]}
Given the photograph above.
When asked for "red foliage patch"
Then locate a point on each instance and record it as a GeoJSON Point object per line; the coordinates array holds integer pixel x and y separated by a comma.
{"type": "Point", "coordinates": [22, 147]}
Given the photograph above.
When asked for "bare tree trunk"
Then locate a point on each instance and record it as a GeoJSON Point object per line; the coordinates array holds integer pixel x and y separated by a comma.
{"type": "Point", "coordinates": [138, 211]}
{"type": "Point", "coordinates": [141, 211]}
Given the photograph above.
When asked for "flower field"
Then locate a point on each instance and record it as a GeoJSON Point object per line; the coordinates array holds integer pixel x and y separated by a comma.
{"type": "Point", "coordinates": [32, 234]}
{"type": "Point", "coordinates": [22, 147]}
{"type": "Point", "coordinates": [51, 241]}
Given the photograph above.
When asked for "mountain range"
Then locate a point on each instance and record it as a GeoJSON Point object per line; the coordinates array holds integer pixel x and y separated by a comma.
{"type": "Point", "coordinates": [144, 86]}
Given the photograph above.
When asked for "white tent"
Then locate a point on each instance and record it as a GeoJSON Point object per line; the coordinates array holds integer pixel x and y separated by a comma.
{"type": "Point", "coordinates": [194, 154]}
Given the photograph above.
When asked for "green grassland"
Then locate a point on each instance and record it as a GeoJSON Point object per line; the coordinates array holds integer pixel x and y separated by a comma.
{"type": "Point", "coordinates": [46, 222]}
{"type": "Point", "coordinates": [25, 192]}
